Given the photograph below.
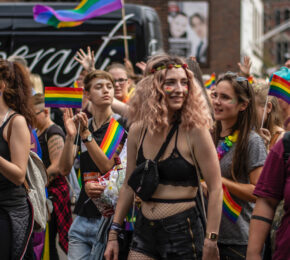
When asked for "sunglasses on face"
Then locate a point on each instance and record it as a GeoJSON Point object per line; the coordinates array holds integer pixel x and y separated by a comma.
{"type": "Point", "coordinates": [236, 77]}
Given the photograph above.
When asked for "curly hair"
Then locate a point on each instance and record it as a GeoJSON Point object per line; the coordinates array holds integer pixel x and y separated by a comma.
{"type": "Point", "coordinates": [246, 121]}
{"type": "Point", "coordinates": [149, 104]}
{"type": "Point", "coordinates": [17, 92]}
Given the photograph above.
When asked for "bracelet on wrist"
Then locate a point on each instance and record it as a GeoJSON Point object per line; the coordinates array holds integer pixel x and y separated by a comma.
{"type": "Point", "coordinates": [116, 227]}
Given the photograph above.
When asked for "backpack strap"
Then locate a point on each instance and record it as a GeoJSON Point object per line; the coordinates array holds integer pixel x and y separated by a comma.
{"type": "Point", "coordinates": [286, 144]}
{"type": "Point", "coordinates": [165, 144]}
{"type": "Point", "coordinates": [9, 130]}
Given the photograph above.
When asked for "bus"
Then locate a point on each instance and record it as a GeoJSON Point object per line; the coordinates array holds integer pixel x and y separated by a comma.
{"type": "Point", "coordinates": [50, 52]}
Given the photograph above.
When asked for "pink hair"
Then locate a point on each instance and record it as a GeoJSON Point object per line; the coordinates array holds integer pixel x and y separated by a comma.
{"type": "Point", "coordinates": [148, 104]}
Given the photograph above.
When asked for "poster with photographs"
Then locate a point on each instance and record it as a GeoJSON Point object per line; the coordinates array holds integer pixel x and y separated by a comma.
{"type": "Point", "coordinates": [188, 29]}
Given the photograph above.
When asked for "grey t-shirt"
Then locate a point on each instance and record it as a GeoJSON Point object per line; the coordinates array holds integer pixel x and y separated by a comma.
{"type": "Point", "coordinates": [237, 233]}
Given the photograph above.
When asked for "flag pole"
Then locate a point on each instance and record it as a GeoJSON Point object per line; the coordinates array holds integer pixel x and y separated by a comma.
{"type": "Point", "coordinates": [125, 31]}
{"type": "Point", "coordinates": [264, 113]}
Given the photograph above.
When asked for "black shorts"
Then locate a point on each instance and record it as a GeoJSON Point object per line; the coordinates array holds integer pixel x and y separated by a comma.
{"type": "Point", "coordinates": [180, 236]}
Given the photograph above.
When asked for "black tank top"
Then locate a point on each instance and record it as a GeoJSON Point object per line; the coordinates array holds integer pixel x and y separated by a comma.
{"type": "Point", "coordinates": [10, 194]}
{"type": "Point", "coordinates": [43, 141]}
{"type": "Point", "coordinates": [174, 170]}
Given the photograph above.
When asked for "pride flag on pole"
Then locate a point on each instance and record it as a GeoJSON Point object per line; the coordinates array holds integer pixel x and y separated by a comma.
{"type": "Point", "coordinates": [250, 79]}
{"type": "Point", "coordinates": [63, 97]}
{"type": "Point", "coordinates": [231, 209]}
{"type": "Point", "coordinates": [210, 82]}
{"type": "Point", "coordinates": [87, 9]}
{"type": "Point", "coordinates": [280, 88]}
{"type": "Point", "coordinates": [112, 138]}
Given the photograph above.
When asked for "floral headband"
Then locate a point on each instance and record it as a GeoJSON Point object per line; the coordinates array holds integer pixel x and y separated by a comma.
{"type": "Point", "coordinates": [169, 66]}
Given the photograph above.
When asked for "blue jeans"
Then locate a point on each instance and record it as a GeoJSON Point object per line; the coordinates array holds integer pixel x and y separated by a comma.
{"type": "Point", "coordinates": [83, 244]}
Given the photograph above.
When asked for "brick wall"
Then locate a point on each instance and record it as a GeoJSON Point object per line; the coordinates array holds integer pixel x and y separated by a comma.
{"type": "Point", "coordinates": [224, 32]}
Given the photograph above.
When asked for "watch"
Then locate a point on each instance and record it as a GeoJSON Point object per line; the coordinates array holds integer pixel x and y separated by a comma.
{"type": "Point", "coordinates": [88, 139]}
{"type": "Point", "coordinates": [212, 236]}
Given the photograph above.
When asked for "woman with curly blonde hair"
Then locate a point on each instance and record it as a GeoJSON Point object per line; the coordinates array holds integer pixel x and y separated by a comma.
{"type": "Point", "coordinates": [169, 114]}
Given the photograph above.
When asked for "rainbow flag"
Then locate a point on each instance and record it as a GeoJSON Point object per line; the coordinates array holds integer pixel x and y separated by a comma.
{"type": "Point", "coordinates": [130, 220]}
{"type": "Point", "coordinates": [210, 82]}
{"type": "Point", "coordinates": [231, 209]}
{"type": "Point", "coordinates": [76, 84]}
{"type": "Point", "coordinates": [250, 79]}
{"type": "Point", "coordinates": [280, 88]}
{"type": "Point", "coordinates": [112, 138]}
{"type": "Point", "coordinates": [63, 97]}
{"type": "Point", "coordinates": [87, 9]}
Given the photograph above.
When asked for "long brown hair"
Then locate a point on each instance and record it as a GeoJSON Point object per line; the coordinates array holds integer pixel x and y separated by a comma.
{"type": "Point", "coordinates": [246, 121]}
{"type": "Point", "coordinates": [17, 92]}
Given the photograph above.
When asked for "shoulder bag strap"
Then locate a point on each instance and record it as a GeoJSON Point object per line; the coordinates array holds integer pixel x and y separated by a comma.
{"type": "Point", "coordinates": [198, 175]}
{"type": "Point", "coordinates": [165, 144]}
{"type": "Point", "coordinates": [9, 130]}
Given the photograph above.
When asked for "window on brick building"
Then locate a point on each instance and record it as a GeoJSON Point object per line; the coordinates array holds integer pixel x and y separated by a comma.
{"type": "Point", "coordinates": [277, 17]}
{"type": "Point", "coordinates": [278, 53]}
{"type": "Point", "coordinates": [281, 51]}
{"type": "Point", "coordinates": [285, 51]}
{"type": "Point", "coordinates": [286, 14]}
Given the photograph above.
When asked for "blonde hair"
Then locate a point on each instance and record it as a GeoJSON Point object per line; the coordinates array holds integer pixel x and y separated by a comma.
{"type": "Point", "coordinates": [36, 82]}
{"type": "Point", "coordinates": [274, 117]}
{"type": "Point", "coordinates": [149, 105]}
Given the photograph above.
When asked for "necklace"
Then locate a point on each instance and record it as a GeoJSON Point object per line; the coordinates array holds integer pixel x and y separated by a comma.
{"type": "Point", "coordinates": [97, 127]}
{"type": "Point", "coordinates": [5, 117]}
{"type": "Point", "coordinates": [225, 146]}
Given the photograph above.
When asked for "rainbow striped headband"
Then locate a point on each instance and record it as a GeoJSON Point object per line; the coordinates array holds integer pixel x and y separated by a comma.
{"type": "Point", "coordinates": [169, 66]}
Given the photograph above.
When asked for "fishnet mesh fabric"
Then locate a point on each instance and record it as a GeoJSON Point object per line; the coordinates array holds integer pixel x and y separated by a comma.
{"type": "Point", "coordinates": [157, 210]}
{"type": "Point", "coordinates": [133, 255]}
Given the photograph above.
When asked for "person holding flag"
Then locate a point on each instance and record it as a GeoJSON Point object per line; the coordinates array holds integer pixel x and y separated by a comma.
{"type": "Point", "coordinates": [102, 139]}
{"type": "Point", "coordinates": [280, 88]}
{"type": "Point", "coordinates": [269, 115]}
{"type": "Point", "coordinates": [242, 154]}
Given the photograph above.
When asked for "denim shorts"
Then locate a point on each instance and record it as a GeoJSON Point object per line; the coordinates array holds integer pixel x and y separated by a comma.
{"type": "Point", "coordinates": [83, 243]}
{"type": "Point", "coordinates": [180, 236]}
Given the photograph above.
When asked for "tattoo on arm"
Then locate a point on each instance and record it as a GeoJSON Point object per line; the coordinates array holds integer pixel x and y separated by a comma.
{"type": "Point", "coordinates": [55, 146]}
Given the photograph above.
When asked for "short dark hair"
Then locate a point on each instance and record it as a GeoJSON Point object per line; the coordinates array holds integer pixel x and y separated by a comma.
{"type": "Point", "coordinates": [197, 15]}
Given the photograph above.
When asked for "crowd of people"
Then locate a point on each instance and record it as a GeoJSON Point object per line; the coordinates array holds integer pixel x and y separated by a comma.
{"type": "Point", "coordinates": [205, 170]}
